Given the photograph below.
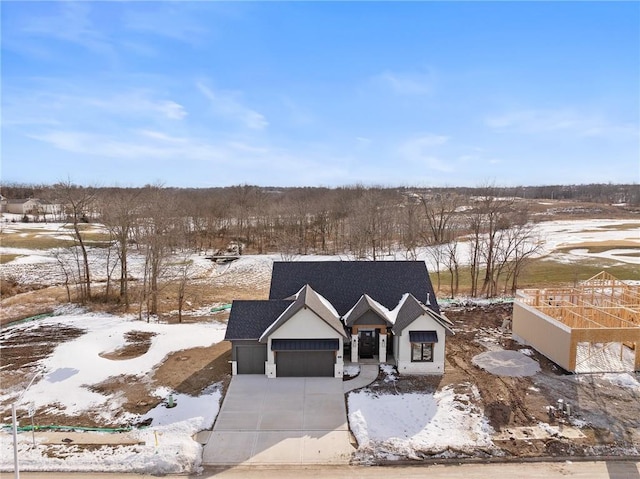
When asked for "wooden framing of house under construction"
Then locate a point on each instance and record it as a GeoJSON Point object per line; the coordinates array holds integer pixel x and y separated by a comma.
{"type": "Point", "coordinates": [554, 321]}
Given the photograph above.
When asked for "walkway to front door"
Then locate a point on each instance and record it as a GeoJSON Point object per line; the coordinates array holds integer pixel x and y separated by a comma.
{"type": "Point", "coordinates": [280, 421]}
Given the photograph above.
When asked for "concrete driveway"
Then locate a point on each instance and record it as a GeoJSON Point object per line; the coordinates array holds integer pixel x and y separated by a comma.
{"type": "Point", "coordinates": [280, 421]}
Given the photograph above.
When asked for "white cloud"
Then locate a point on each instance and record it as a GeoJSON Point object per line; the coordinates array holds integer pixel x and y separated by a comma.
{"type": "Point", "coordinates": [407, 83]}
{"type": "Point", "coordinates": [423, 150]}
{"type": "Point", "coordinates": [242, 160]}
{"type": "Point", "coordinates": [168, 19]}
{"type": "Point", "coordinates": [70, 23]}
{"type": "Point", "coordinates": [244, 147]}
{"type": "Point", "coordinates": [561, 120]}
{"type": "Point", "coordinates": [158, 135]}
{"type": "Point", "coordinates": [147, 145]}
{"type": "Point", "coordinates": [227, 105]}
{"type": "Point", "coordinates": [297, 114]}
{"type": "Point", "coordinates": [73, 141]}
{"type": "Point", "coordinates": [60, 106]}
{"type": "Point", "coordinates": [131, 102]}
{"type": "Point", "coordinates": [171, 109]}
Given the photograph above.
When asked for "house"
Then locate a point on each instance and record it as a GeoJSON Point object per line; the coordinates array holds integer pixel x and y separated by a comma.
{"type": "Point", "coordinates": [591, 327]}
{"type": "Point", "coordinates": [321, 313]}
{"type": "Point", "coordinates": [30, 206]}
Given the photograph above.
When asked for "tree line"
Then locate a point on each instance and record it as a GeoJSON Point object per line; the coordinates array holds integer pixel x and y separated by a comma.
{"type": "Point", "coordinates": [487, 229]}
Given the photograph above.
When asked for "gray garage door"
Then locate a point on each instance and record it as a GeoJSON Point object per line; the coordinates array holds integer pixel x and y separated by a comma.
{"type": "Point", "coordinates": [251, 359]}
{"type": "Point", "coordinates": [305, 363]}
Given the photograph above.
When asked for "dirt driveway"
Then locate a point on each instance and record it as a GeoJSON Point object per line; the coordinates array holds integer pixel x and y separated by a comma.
{"type": "Point", "coordinates": [280, 421]}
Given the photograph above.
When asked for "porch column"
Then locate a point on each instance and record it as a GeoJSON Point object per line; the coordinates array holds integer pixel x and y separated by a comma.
{"type": "Point", "coordinates": [382, 351]}
{"type": "Point", "coordinates": [354, 348]}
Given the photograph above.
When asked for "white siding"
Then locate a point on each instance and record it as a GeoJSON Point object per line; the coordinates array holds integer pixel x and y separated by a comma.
{"type": "Point", "coordinates": [546, 334]}
{"type": "Point", "coordinates": [402, 350]}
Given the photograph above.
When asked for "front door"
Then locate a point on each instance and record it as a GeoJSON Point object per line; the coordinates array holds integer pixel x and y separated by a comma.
{"type": "Point", "coordinates": [367, 344]}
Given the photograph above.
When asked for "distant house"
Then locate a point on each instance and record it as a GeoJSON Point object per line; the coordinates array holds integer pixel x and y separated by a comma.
{"type": "Point", "coordinates": [29, 206]}
{"type": "Point", "coordinates": [318, 312]}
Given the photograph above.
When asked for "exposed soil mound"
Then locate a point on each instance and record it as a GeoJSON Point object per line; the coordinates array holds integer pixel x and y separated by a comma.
{"type": "Point", "coordinates": [138, 343]}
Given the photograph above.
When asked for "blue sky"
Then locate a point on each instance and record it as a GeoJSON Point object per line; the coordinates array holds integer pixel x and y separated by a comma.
{"type": "Point", "coordinates": [201, 94]}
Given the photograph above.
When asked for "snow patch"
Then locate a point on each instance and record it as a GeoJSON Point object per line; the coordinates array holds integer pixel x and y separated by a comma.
{"type": "Point", "coordinates": [351, 370]}
{"type": "Point", "coordinates": [404, 425]}
{"type": "Point", "coordinates": [625, 380]}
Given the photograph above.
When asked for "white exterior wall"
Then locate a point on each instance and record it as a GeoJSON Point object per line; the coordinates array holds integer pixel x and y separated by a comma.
{"type": "Point", "coordinates": [402, 351]}
{"type": "Point", "coordinates": [18, 208]}
{"type": "Point", "coordinates": [382, 349]}
{"type": "Point", "coordinates": [30, 205]}
{"type": "Point", "coordinates": [305, 324]}
{"type": "Point", "coordinates": [544, 333]}
{"type": "Point", "coordinates": [354, 348]}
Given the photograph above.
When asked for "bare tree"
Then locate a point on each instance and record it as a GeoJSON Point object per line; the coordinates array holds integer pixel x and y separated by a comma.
{"type": "Point", "coordinates": [411, 225]}
{"type": "Point", "coordinates": [64, 267]}
{"type": "Point", "coordinates": [365, 225]}
{"type": "Point", "coordinates": [439, 209]}
{"type": "Point", "coordinates": [155, 232]}
{"type": "Point", "coordinates": [453, 265]}
{"type": "Point", "coordinates": [78, 202]}
{"type": "Point", "coordinates": [438, 253]}
{"type": "Point", "coordinates": [119, 211]}
{"type": "Point", "coordinates": [524, 247]}
{"type": "Point", "coordinates": [183, 277]}
{"type": "Point", "coordinates": [497, 217]}
{"type": "Point", "coordinates": [475, 224]}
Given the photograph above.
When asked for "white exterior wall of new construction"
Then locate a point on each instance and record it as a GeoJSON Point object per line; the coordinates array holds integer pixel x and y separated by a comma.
{"type": "Point", "coordinates": [548, 336]}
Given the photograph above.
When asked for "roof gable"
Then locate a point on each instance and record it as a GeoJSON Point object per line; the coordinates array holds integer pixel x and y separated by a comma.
{"type": "Point", "coordinates": [249, 319]}
{"type": "Point", "coordinates": [364, 304]}
{"type": "Point", "coordinates": [409, 309]}
{"type": "Point", "coordinates": [307, 298]}
{"type": "Point", "coordinates": [343, 283]}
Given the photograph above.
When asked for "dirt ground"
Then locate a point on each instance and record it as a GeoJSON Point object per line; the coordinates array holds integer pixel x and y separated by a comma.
{"type": "Point", "coordinates": [610, 414]}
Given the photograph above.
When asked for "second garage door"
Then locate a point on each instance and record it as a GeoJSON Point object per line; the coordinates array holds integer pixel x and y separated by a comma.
{"type": "Point", "coordinates": [251, 359]}
{"type": "Point", "coordinates": [305, 363]}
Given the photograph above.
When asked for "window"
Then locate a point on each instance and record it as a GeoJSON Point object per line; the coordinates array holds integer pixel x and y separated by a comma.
{"type": "Point", "coordinates": [421, 352]}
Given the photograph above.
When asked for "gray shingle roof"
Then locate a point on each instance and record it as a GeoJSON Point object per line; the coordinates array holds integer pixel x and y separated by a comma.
{"type": "Point", "coordinates": [344, 282]}
{"type": "Point", "coordinates": [249, 319]}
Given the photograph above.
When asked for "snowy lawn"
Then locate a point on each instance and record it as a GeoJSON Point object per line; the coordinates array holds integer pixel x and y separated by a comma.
{"type": "Point", "coordinates": [414, 425]}
{"type": "Point", "coordinates": [351, 370]}
{"type": "Point", "coordinates": [40, 266]}
{"type": "Point", "coordinates": [63, 385]}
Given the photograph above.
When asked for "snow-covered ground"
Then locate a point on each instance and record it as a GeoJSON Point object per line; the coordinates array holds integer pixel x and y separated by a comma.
{"type": "Point", "coordinates": [603, 358]}
{"type": "Point", "coordinates": [40, 266]}
{"type": "Point", "coordinates": [386, 425]}
{"type": "Point", "coordinates": [63, 386]}
{"type": "Point", "coordinates": [413, 425]}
